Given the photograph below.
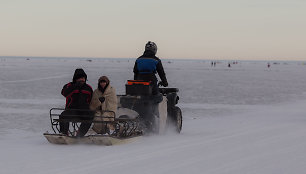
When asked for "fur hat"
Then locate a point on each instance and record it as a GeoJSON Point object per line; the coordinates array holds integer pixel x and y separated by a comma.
{"type": "Point", "coordinates": [104, 78]}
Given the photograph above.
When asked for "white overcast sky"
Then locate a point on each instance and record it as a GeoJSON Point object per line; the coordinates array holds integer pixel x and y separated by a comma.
{"type": "Point", "coordinates": [195, 29]}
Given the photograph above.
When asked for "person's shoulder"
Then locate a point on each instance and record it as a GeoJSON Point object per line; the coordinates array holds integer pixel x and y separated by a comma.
{"type": "Point", "coordinates": [109, 87]}
{"type": "Point", "coordinates": [96, 91]}
{"type": "Point", "coordinates": [148, 57]}
{"type": "Point", "coordinates": [157, 58]}
{"type": "Point", "coordinates": [88, 86]}
{"type": "Point", "coordinates": [112, 88]}
{"type": "Point", "coordinates": [68, 85]}
{"type": "Point", "coordinates": [141, 57]}
{"type": "Point", "coordinates": [109, 90]}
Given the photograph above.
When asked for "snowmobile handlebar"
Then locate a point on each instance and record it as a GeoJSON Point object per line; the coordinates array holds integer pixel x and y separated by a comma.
{"type": "Point", "coordinates": [166, 91]}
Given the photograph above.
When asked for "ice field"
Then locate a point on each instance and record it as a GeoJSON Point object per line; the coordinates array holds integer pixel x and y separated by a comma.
{"type": "Point", "coordinates": [244, 119]}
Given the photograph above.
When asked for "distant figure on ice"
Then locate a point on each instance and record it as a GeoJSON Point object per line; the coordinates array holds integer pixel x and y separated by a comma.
{"type": "Point", "coordinates": [78, 96]}
{"type": "Point", "coordinates": [268, 65]}
{"type": "Point", "coordinates": [147, 65]}
{"type": "Point", "coordinates": [229, 65]}
{"type": "Point", "coordinates": [104, 99]}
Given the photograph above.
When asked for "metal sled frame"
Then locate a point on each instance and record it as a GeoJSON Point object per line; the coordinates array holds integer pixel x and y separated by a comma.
{"type": "Point", "coordinates": [124, 126]}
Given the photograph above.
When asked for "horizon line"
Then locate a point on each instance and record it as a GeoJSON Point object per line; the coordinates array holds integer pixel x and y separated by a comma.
{"type": "Point", "coordinates": [205, 59]}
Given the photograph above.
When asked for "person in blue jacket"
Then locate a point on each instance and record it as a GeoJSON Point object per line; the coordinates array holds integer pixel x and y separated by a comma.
{"type": "Point", "coordinates": [147, 65]}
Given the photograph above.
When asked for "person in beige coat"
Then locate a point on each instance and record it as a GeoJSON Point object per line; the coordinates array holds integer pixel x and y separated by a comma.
{"type": "Point", "coordinates": [104, 103]}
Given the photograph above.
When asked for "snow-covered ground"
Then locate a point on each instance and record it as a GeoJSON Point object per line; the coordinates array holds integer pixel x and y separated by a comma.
{"type": "Point", "coordinates": [243, 119]}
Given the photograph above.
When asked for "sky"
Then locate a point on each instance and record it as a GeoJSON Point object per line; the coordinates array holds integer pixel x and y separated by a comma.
{"type": "Point", "coordinates": [188, 29]}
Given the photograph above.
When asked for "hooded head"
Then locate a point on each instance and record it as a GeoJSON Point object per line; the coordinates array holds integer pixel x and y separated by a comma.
{"type": "Point", "coordinates": [78, 73]}
{"type": "Point", "coordinates": [103, 78]}
{"type": "Point", "coordinates": [151, 48]}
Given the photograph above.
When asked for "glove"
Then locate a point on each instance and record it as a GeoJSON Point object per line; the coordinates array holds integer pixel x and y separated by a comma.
{"type": "Point", "coordinates": [79, 84]}
{"type": "Point", "coordinates": [102, 99]}
{"type": "Point", "coordinates": [165, 84]}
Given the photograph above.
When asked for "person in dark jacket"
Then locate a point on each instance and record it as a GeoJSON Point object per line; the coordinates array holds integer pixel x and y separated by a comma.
{"type": "Point", "coordinates": [78, 96]}
{"type": "Point", "coordinates": [147, 65]}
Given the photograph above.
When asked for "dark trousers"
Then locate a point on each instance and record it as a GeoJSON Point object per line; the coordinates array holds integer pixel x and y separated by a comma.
{"type": "Point", "coordinates": [72, 114]}
{"type": "Point", "coordinates": [154, 88]}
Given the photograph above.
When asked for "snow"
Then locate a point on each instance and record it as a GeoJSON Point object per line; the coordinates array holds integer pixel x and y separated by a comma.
{"type": "Point", "coordinates": [244, 119]}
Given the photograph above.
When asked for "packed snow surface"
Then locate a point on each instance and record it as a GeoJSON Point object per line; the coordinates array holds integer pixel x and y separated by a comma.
{"type": "Point", "coordinates": [246, 118]}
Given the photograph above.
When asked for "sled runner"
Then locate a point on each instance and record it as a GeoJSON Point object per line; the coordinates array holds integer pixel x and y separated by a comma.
{"type": "Point", "coordinates": [90, 139]}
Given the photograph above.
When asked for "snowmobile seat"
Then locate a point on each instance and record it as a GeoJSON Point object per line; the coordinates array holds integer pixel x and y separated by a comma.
{"type": "Point", "coordinates": [126, 117]}
{"type": "Point", "coordinates": [126, 114]}
{"type": "Point", "coordinates": [77, 121]}
{"type": "Point", "coordinates": [123, 117]}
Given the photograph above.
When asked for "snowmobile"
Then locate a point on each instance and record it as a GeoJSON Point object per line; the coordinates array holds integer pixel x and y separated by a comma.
{"type": "Point", "coordinates": [139, 113]}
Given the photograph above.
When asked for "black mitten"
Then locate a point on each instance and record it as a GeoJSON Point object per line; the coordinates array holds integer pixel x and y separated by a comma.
{"type": "Point", "coordinates": [165, 84]}
{"type": "Point", "coordinates": [79, 85]}
{"type": "Point", "coordinates": [102, 99]}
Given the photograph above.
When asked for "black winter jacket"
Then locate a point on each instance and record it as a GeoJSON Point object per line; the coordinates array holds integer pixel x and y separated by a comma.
{"type": "Point", "coordinates": [77, 97]}
{"type": "Point", "coordinates": [146, 67]}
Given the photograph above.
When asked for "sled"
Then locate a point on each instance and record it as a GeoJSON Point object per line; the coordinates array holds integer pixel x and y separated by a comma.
{"type": "Point", "coordinates": [126, 128]}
